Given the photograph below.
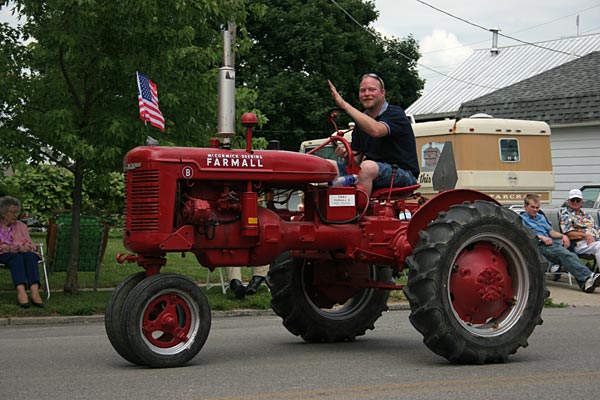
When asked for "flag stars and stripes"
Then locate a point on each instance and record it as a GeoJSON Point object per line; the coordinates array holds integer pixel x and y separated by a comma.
{"type": "Point", "coordinates": [148, 102]}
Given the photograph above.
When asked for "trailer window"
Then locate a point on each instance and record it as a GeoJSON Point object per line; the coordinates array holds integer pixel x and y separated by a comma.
{"type": "Point", "coordinates": [509, 150]}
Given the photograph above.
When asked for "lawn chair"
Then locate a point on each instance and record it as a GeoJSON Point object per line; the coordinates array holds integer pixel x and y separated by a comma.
{"type": "Point", "coordinates": [556, 271]}
{"type": "Point", "coordinates": [209, 285]}
{"type": "Point", "coordinates": [42, 261]}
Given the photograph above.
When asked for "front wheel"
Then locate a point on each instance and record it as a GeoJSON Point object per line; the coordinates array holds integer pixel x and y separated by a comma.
{"type": "Point", "coordinates": [316, 303]}
{"type": "Point", "coordinates": [112, 317]}
{"type": "Point", "coordinates": [167, 320]}
{"type": "Point", "coordinates": [476, 284]}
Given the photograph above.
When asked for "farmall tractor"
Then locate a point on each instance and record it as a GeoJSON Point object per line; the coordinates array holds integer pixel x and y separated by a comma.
{"type": "Point", "coordinates": [475, 278]}
{"type": "Point", "coordinates": [475, 281]}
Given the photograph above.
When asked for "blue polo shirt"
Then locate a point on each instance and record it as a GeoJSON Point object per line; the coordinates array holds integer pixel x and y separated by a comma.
{"type": "Point", "coordinates": [398, 147]}
{"type": "Point", "coordinates": [539, 224]}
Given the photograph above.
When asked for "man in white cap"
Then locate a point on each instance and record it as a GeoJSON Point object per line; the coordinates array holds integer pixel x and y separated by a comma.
{"type": "Point", "coordinates": [580, 226]}
{"type": "Point", "coordinates": [553, 245]}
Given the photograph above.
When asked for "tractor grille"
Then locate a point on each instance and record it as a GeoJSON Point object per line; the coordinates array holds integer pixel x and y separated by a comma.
{"type": "Point", "coordinates": [142, 201]}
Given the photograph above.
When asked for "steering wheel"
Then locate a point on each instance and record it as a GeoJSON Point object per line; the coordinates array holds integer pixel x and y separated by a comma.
{"type": "Point", "coordinates": [338, 136]}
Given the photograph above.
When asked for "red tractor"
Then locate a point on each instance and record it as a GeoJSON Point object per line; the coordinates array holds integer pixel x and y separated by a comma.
{"type": "Point", "coordinates": [475, 278]}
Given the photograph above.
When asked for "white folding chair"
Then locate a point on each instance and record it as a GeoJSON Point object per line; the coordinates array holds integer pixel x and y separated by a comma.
{"type": "Point", "coordinates": [209, 285]}
{"type": "Point", "coordinates": [555, 271]}
{"type": "Point", "coordinates": [42, 261]}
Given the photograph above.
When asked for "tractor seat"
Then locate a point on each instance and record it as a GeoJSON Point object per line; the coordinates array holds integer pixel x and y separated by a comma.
{"type": "Point", "coordinates": [397, 192]}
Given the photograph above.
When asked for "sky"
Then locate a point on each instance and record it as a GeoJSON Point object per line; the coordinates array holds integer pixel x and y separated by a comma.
{"type": "Point", "coordinates": [445, 41]}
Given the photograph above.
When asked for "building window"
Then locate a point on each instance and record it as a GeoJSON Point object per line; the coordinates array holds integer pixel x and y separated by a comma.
{"type": "Point", "coordinates": [509, 150]}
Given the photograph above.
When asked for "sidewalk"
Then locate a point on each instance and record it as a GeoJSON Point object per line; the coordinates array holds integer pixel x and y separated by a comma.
{"type": "Point", "coordinates": [560, 292]}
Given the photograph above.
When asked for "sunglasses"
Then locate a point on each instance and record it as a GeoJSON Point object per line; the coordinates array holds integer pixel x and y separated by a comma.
{"type": "Point", "coordinates": [575, 200]}
{"type": "Point", "coordinates": [371, 75]}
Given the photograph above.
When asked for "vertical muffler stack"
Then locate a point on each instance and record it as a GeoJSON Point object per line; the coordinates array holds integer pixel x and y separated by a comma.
{"type": "Point", "coordinates": [226, 92]}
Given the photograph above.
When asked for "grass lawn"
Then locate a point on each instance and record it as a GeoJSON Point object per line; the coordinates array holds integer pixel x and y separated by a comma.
{"type": "Point", "coordinates": [89, 302]}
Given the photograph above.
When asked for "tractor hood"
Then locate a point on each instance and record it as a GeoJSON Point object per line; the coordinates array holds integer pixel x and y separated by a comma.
{"type": "Point", "coordinates": [274, 166]}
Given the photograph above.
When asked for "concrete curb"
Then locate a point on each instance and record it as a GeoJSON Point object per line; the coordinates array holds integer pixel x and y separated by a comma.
{"type": "Point", "coordinates": [560, 292]}
{"type": "Point", "coordinates": [85, 319]}
{"type": "Point", "coordinates": [76, 319]}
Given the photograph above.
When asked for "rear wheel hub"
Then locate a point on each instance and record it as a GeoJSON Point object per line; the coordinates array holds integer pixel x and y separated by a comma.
{"type": "Point", "coordinates": [480, 287]}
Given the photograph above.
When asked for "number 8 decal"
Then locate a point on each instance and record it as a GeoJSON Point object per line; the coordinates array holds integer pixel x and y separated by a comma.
{"type": "Point", "coordinates": [187, 172]}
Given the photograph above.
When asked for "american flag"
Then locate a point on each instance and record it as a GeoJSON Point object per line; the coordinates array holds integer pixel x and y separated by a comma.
{"type": "Point", "coordinates": [148, 102]}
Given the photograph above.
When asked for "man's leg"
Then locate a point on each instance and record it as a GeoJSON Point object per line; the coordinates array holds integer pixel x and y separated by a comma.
{"type": "Point", "coordinates": [384, 176]}
{"type": "Point", "coordinates": [263, 270]}
{"type": "Point", "coordinates": [258, 277]}
{"type": "Point", "coordinates": [592, 248]}
{"type": "Point", "coordinates": [568, 259]}
{"type": "Point", "coordinates": [234, 274]}
{"type": "Point", "coordinates": [368, 173]}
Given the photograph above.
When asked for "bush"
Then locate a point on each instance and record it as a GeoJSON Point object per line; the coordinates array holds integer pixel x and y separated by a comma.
{"type": "Point", "coordinates": [45, 190]}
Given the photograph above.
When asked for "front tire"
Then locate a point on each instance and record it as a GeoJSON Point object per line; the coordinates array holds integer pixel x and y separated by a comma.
{"type": "Point", "coordinates": [476, 284]}
{"type": "Point", "coordinates": [112, 317]}
{"type": "Point", "coordinates": [167, 320]}
{"type": "Point", "coordinates": [320, 313]}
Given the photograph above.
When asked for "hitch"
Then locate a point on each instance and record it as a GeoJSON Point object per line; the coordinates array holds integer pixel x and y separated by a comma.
{"type": "Point", "coordinates": [130, 258]}
{"type": "Point", "coordinates": [152, 265]}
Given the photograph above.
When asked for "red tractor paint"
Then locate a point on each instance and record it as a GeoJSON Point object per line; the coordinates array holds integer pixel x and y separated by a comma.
{"type": "Point", "coordinates": [480, 284]}
{"type": "Point", "coordinates": [472, 264]}
{"type": "Point", "coordinates": [163, 325]}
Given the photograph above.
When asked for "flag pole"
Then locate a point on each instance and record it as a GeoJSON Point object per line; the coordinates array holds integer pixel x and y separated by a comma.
{"type": "Point", "coordinates": [137, 81]}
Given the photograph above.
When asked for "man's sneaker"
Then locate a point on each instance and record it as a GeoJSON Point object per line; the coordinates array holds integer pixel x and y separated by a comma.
{"type": "Point", "coordinates": [592, 283]}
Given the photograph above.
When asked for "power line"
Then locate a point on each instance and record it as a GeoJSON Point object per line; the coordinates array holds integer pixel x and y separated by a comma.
{"type": "Point", "coordinates": [407, 57]}
{"type": "Point", "coordinates": [519, 31]}
{"type": "Point", "coordinates": [557, 19]}
{"type": "Point", "coordinates": [500, 34]}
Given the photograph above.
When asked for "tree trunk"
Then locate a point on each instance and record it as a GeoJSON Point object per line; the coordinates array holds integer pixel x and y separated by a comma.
{"type": "Point", "coordinates": [72, 282]}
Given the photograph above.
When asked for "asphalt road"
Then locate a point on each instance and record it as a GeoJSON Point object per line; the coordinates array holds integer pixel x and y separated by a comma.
{"type": "Point", "coordinates": [256, 358]}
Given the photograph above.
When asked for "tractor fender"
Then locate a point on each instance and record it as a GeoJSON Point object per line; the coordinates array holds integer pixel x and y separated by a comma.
{"type": "Point", "coordinates": [429, 211]}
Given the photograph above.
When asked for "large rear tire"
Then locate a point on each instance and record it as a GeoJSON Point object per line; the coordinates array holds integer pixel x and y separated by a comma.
{"type": "Point", "coordinates": [324, 313]}
{"type": "Point", "coordinates": [167, 320]}
{"type": "Point", "coordinates": [476, 284]}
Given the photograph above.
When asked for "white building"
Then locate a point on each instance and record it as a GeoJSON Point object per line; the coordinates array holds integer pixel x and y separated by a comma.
{"type": "Point", "coordinates": [556, 81]}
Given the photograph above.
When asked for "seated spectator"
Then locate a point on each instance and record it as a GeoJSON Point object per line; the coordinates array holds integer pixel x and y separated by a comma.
{"type": "Point", "coordinates": [18, 252]}
{"type": "Point", "coordinates": [554, 245]}
{"type": "Point", "coordinates": [235, 280]}
{"type": "Point", "coordinates": [580, 226]}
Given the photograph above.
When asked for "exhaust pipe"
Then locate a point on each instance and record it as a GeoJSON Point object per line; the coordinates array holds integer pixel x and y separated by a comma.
{"type": "Point", "coordinates": [226, 92]}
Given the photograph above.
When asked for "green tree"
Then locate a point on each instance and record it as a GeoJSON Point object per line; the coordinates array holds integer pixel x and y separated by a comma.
{"type": "Point", "coordinates": [299, 45]}
{"type": "Point", "coordinates": [42, 190]}
{"type": "Point", "coordinates": [67, 82]}
{"type": "Point", "coordinates": [45, 190]}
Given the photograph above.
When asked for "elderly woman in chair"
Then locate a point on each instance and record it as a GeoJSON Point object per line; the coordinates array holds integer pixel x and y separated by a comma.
{"type": "Point", "coordinates": [18, 252]}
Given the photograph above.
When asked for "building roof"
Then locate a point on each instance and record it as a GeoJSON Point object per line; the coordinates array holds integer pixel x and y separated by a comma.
{"type": "Point", "coordinates": [568, 93]}
{"type": "Point", "coordinates": [482, 73]}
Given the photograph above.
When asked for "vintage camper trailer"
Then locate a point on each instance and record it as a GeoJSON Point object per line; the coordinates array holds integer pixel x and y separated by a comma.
{"type": "Point", "coordinates": [504, 158]}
